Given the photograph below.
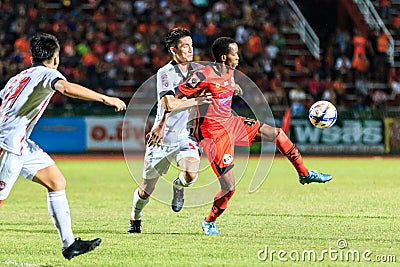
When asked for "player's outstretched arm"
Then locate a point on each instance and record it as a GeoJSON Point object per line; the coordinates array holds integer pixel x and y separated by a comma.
{"type": "Point", "coordinates": [78, 91]}
{"type": "Point", "coordinates": [171, 103]}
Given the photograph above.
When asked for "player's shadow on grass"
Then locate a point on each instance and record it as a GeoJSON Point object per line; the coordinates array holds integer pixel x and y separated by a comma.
{"type": "Point", "coordinates": [199, 233]}
{"type": "Point", "coordinates": [99, 231]}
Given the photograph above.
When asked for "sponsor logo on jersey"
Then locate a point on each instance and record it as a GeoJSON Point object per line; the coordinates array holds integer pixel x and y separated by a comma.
{"type": "Point", "coordinates": [249, 122]}
{"type": "Point", "coordinates": [227, 159]}
{"type": "Point", "coordinates": [225, 101]}
{"type": "Point", "coordinates": [2, 185]}
{"type": "Point", "coordinates": [194, 81]}
{"type": "Point", "coordinates": [164, 80]}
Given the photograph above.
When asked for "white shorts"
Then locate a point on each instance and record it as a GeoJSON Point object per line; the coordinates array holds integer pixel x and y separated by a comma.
{"type": "Point", "coordinates": [158, 159]}
{"type": "Point", "coordinates": [13, 165]}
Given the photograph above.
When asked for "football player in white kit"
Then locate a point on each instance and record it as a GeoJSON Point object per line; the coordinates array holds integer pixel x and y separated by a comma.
{"type": "Point", "coordinates": [23, 101]}
{"type": "Point", "coordinates": [172, 140]}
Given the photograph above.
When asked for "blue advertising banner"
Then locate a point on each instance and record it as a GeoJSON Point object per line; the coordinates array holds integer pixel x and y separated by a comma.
{"type": "Point", "coordinates": [61, 135]}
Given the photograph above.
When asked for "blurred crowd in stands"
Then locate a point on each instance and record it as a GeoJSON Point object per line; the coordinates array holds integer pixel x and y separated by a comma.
{"type": "Point", "coordinates": [113, 46]}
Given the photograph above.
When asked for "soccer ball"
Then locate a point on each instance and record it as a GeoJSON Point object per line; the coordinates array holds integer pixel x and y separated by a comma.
{"type": "Point", "coordinates": [322, 114]}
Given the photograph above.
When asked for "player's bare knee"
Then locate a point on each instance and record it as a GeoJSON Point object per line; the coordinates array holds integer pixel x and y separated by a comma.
{"type": "Point", "coordinates": [1, 203]}
{"type": "Point", "coordinates": [143, 194]}
{"type": "Point", "coordinates": [228, 187]}
{"type": "Point", "coordinates": [269, 133]}
{"type": "Point", "coordinates": [227, 181]}
{"type": "Point", "coordinates": [57, 185]}
{"type": "Point", "coordinates": [192, 160]}
{"type": "Point", "coordinates": [52, 185]}
{"type": "Point", "coordinates": [147, 187]}
{"type": "Point", "coordinates": [189, 164]}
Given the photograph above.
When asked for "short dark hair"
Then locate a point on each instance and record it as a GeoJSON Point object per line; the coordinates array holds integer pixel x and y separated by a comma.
{"type": "Point", "coordinates": [43, 46]}
{"type": "Point", "coordinates": [173, 37]}
{"type": "Point", "coordinates": [220, 47]}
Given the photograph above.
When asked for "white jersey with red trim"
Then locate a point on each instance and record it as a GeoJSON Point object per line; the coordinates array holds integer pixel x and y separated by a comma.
{"type": "Point", "coordinates": [24, 99]}
{"type": "Point", "coordinates": [168, 78]}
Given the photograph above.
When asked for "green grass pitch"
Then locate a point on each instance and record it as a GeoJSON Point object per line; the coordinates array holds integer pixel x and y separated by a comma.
{"type": "Point", "coordinates": [283, 224]}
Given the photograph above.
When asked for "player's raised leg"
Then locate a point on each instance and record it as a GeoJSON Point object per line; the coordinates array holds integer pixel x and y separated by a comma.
{"type": "Point", "coordinates": [290, 151]}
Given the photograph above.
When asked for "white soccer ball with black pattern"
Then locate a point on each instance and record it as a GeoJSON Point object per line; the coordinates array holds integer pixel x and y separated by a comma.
{"type": "Point", "coordinates": [322, 114]}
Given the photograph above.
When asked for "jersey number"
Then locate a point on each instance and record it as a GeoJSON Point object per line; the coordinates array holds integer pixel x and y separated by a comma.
{"type": "Point", "coordinates": [14, 95]}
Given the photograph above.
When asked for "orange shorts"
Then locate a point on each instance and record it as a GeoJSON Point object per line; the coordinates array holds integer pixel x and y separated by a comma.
{"type": "Point", "coordinates": [219, 145]}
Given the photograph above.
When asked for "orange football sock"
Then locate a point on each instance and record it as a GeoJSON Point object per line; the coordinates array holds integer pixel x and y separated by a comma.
{"type": "Point", "coordinates": [220, 203]}
{"type": "Point", "coordinates": [290, 151]}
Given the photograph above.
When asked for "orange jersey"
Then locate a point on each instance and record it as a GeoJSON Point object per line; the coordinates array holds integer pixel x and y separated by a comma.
{"type": "Point", "coordinates": [215, 116]}
{"type": "Point", "coordinates": [382, 41]}
{"type": "Point", "coordinates": [359, 43]}
{"type": "Point", "coordinates": [220, 130]}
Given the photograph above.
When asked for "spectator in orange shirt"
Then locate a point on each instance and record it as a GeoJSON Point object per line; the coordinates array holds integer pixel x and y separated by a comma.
{"type": "Point", "coordinates": [382, 42]}
{"type": "Point", "coordinates": [22, 43]}
{"type": "Point", "coordinates": [269, 29]}
{"type": "Point", "coordinates": [90, 58]}
{"type": "Point", "coordinates": [360, 63]}
{"type": "Point", "coordinates": [359, 43]}
{"type": "Point", "coordinates": [255, 45]}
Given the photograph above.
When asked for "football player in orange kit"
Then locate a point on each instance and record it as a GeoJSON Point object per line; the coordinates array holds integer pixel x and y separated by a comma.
{"type": "Point", "coordinates": [219, 130]}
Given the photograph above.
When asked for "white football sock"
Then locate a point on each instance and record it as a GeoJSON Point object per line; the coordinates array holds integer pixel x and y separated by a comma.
{"type": "Point", "coordinates": [57, 204]}
{"type": "Point", "coordinates": [181, 182]}
{"type": "Point", "coordinates": [138, 205]}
